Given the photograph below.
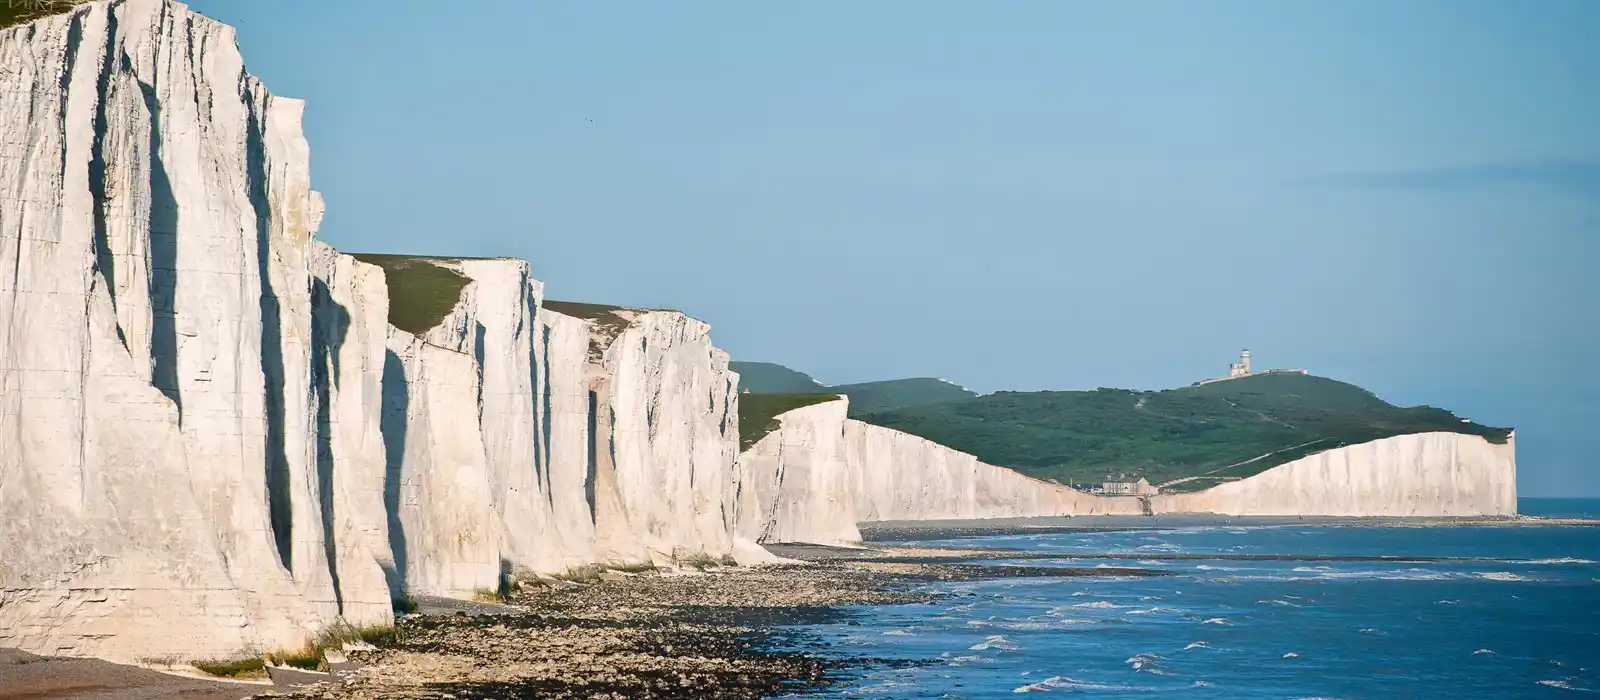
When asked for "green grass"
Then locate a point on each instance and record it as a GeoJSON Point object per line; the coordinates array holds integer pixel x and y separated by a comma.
{"type": "Point", "coordinates": [15, 12]}
{"type": "Point", "coordinates": [253, 667]}
{"type": "Point", "coordinates": [309, 659]}
{"type": "Point", "coordinates": [1090, 436]}
{"type": "Point", "coordinates": [485, 595]}
{"type": "Point", "coordinates": [866, 397]}
{"type": "Point", "coordinates": [421, 292]}
{"type": "Point", "coordinates": [758, 413]}
{"type": "Point", "coordinates": [875, 397]}
{"type": "Point", "coordinates": [770, 378]}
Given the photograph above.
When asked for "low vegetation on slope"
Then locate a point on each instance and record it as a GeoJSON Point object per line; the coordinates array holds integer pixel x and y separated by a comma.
{"type": "Point", "coordinates": [875, 397]}
{"type": "Point", "coordinates": [1216, 432]}
{"type": "Point", "coordinates": [867, 397]}
{"type": "Point", "coordinates": [15, 12]}
{"type": "Point", "coordinates": [758, 413]}
{"type": "Point", "coordinates": [771, 378]}
{"type": "Point", "coordinates": [421, 291]}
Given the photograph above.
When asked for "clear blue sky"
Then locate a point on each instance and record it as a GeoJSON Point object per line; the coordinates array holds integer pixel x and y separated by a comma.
{"type": "Point", "coordinates": [1027, 195]}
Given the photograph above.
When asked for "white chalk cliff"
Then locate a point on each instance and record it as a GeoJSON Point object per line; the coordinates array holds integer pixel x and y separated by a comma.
{"type": "Point", "coordinates": [1425, 474]}
{"type": "Point", "coordinates": [212, 441]}
{"type": "Point", "coordinates": [158, 491]}
{"type": "Point", "coordinates": [819, 474]}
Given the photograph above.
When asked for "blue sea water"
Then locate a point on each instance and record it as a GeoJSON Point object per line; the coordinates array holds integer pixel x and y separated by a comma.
{"type": "Point", "coordinates": [1511, 612]}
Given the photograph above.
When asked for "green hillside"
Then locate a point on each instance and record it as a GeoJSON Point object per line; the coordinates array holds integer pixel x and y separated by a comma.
{"type": "Point", "coordinates": [867, 397]}
{"type": "Point", "coordinates": [1220, 431]}
{"type": "Point", "coordinates": [874, 397]}
{"type": "Point", "coordinates": [771, 378]}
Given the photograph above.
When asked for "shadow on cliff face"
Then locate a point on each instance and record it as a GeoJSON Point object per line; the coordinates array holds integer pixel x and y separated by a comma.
{"type": "Point", "coordinates": [539, 374]}
{"type": "Point", "coordinates": [278, 479]}
{"type": "Point", "coordinates": [330, 325]}
{"type": "Point", "coordinates": [163, 283]}
{"type": "Point", "coordinates": [393, 425]}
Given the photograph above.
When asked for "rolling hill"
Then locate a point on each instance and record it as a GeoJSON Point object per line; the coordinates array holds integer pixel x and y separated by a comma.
{"type": "Point", "coordinates": [874, 397]}
{"type": "Point", "coordinates": [866, 397]}
{"type": "Point", "coordinates": [771, 378]}
{"type": "Point", "coordinates": [1202, 434]}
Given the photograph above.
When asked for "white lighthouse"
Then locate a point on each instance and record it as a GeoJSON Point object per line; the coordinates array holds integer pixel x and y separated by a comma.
{"type": "Point", "coordinates": [1242, 367]}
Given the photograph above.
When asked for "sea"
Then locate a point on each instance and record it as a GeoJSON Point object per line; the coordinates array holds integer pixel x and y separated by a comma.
{"type": "Point", "coordinates": [1479, 612]}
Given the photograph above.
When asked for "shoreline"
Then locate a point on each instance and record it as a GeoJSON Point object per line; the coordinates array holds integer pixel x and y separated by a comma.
{"type": "Point", "coordinates": [916, 530]}
{"type": "Point", "coordinates": [722, 632]}
{"type": "Point", "coordinates": [718, 632]}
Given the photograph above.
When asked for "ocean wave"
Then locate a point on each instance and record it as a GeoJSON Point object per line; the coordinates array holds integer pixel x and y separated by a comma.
{"type": "Point", "coordinates": [1484, 652]}
{"type": "Point", "coordinates": [1565, 686]}
{"type": "Point", "coordinates": [1197, 645]}
{"type": "Point", "coordinates": [1291, 655]}
{"type": "Point", "coordinates": [1312, 569]}
{"type": "Point", "coordinates": [1141, 661]}
{"type": "Point", "coordinates": [1282, 603]}
{"type": "Point", "coordinates": [1099, 605]}
{"type": "Point", "coordinates": [994, 641]}
{"type": "Point", "coordinates": [1562, 560]}
{"type": "Point", "coordinates": [959, 660]}
{"type": "Point", "coordinates": [899, 633]}
{"type": "Point", "coordinates": [1155, 611]}
{"type": "Point", "coordinates": [1065, 683]}
{"type": "Point", "coordinates": [1208, 567]}
{"type": "Point", "coordinates": [1215, 621]}
{"type": "Point", "coordinates": [1502, 576]}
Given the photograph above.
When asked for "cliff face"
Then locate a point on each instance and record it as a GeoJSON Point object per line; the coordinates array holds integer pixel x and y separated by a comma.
{"type": "Point", "coordinates": [349, 348]}
{"type": "Point", "coordinates": [819, 474]}
{"type": "Point", "coordinates": [1427, 474]}
{"type": "Point", "coordinates": [898, 476]}
{"type": "Point", "coordinates": [650, 433]}
{"type": "Point", "coordinates": [158, 477]}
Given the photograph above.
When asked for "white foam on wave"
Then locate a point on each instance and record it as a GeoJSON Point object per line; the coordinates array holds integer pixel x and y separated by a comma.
{"type": "Point", "coordinates": [995, 641]}
{"type": "Point", "coordinates": [1197, 645]}
{"type": "Point", "coordinates": [1562, 560]}
{"type": "Point", "coordinates": [1099, 605]}
{"type": "Point", "coordinates": [1208, 567]}
{"type": "Point", "coordinates": [1065, 683]}
{"type": "Point", "coordinates": [899, 633]}
{"type": "Point", "coordinates": [1143, 662]}
{"type": "Point", "coordinates": [1215, 621]}
{"type": "Point", "coordinates": [1291, 655]}
{"type": "Point", "coordinates": [1312, 569]}
{"type": "Point", "coordinates": [1281, 603]}
{"type": "Point", "coordinates": [1484, 652]}
{"type": "Point", "coordinates": [1565, 686]}
{"type": "Point", "coordinates": [1155, 611]}
{"type": "Point", "coordinates": [1501, 576]}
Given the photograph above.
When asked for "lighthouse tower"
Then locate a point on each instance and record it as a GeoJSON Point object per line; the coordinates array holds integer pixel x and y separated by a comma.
{"type": "Point", "coordinates": [1242, 367]}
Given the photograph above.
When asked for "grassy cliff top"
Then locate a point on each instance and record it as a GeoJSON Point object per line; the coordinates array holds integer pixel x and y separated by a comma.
{"type": "Point", "coordinates": [1215, 432]}
{"type": "Point", "coordinates": [758, 413]}
{"type": "Point", "coordinates": [15, 12]}
{"type": "Point", "coordinates": [421, 290]}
